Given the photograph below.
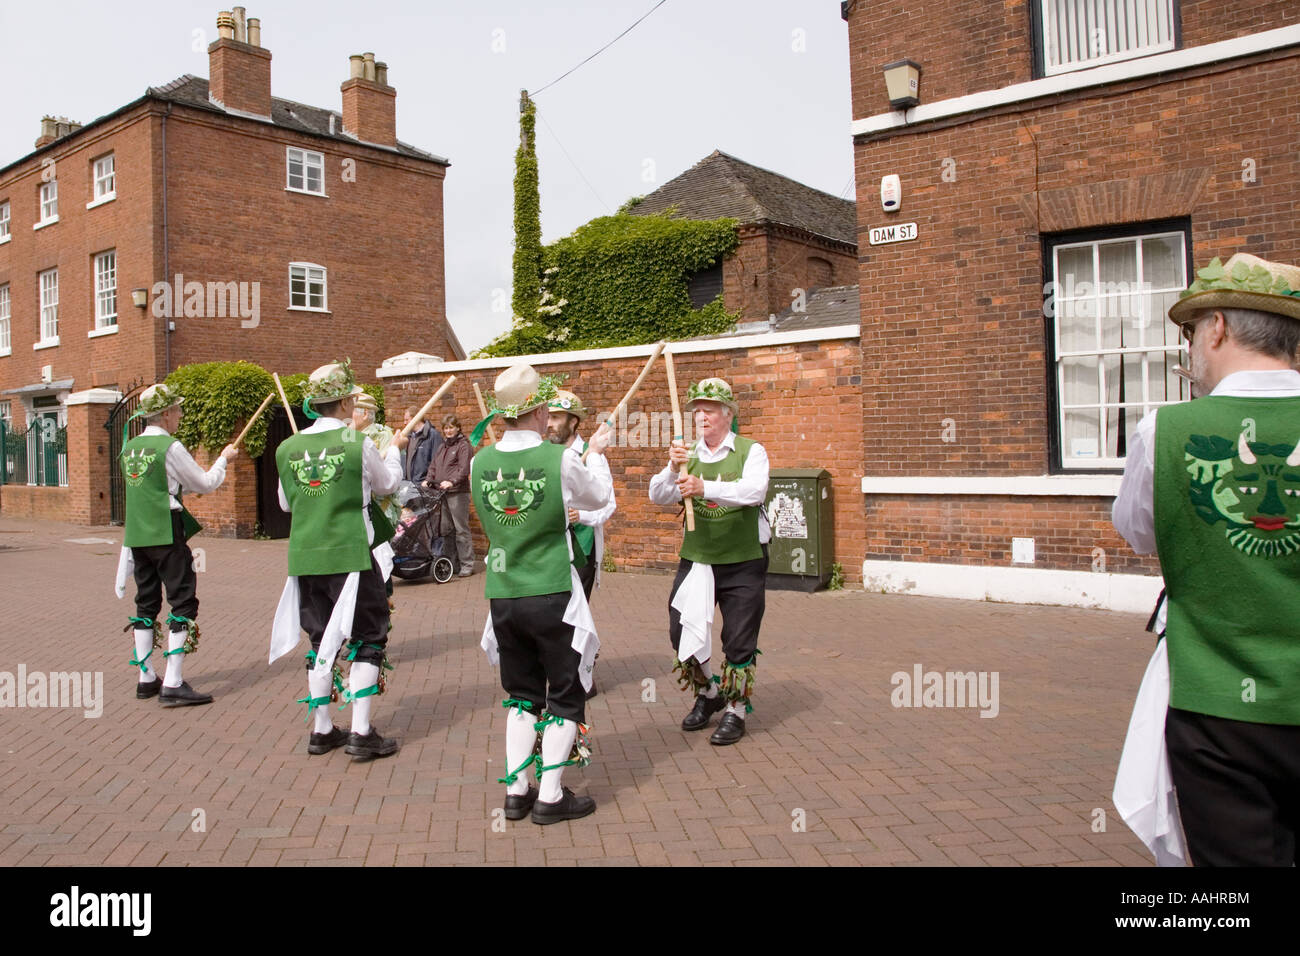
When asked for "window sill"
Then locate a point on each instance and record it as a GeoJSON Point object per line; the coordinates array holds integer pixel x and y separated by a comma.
{"type": "Point", "coordinates": [4, 239]}
{"type": "Point", "coordinates": [4, 352]}
{"type": "Point", "coordinates": [305, 192]}
{"type": "Point", "coordinates": [45, 222]}
{"type": "Point", "coordinates": [107, 198]}
{"type": "Point", "coordinates": [303, 308]}
{"type": "Point", "coordinates": [47, 344]}
{"type": "Point", "coordinates": [106, 330]}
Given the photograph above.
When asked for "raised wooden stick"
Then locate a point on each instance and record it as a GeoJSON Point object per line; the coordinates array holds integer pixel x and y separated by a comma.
{"type": "Point", "coordinates": [260, 408]}
{"type": "Point", "coordinates": [283, 398]}
{"type": "Point", "coordinates": [419, 416]}
{"type": "Point", "coordinates": [482, 413]}
{"type": "Point", "coordinates": [678, 433]}
{"type": "Point", "coordinates": [630, 392]}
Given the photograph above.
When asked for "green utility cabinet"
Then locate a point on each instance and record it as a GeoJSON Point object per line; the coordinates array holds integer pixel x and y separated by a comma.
{"type": "Point", "coordinates": [798, 510]}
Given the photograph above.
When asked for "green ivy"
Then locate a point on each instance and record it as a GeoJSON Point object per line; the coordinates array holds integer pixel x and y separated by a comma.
{"type": "Point", "coordinates": [220, 396]}
{"type": "Point", "coordinates": [526, 294]}
{"type": "Point", "coordinates": [836, 582]}
{"type": "Point", "coordinates": [623, 280]}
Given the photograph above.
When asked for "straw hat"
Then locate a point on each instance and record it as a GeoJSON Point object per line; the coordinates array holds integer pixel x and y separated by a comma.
{"type": "Point", "coordinates": [1243, 282]}
{"type": "Point", "coordinates": [565, 401]}
{"type": "Point", "coordinates": [365, 399]}
{"type": "Point", "coordinates": [712, 390]}
{"type": "Point", "coordinates": [519, 389]}
{"type": "Point", "coordinates": [156, 399]}
{"type": "Point", "coordinates": [329, 383]}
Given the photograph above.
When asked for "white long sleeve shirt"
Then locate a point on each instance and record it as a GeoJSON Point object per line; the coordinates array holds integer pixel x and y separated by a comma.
{"type": "Point", "coordinates": [380, 474]}
{"type": "Point", "coordinates": [1133, 513]}
{"type": "Point", "coordinates": [750, 490]}
{"type": "Point", "coordinates": [184, 473]}
{"type": "Point", "coordinates": [595, 518]}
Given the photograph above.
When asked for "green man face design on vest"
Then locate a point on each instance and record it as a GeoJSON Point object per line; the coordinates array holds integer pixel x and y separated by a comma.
{"type": "Point", "coordinates": [1252, 486]}
{"type": "Point", "coordinates": [135, 465]}
{"type": "Point", "coordinates": [710, 509]}
{"type": "Point", "coordinates": [512, 498]}
{"type": "Point", "coordinates": [316, 474]}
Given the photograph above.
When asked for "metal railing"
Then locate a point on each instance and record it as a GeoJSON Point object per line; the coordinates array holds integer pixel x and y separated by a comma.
{"type": "Point", "coordinates": [37, 455]}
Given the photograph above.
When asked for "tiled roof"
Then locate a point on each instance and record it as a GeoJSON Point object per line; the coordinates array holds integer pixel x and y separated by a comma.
{"type": "Point", "coordinates": [189, 90]}
{"type": "Point", "coordinates": [825, 308]}
{"type": "Point", "coordinates": [722, 185]}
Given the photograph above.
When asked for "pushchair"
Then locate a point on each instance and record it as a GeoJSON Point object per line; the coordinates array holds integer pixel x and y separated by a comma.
{"type": "Point", "coordinates": [417, 544]}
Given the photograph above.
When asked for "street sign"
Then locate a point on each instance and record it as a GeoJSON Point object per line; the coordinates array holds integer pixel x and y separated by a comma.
{"type": "Point", "coordinates": [898, 232]}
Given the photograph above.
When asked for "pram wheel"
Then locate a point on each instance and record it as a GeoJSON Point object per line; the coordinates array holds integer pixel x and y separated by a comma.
{"type": "Point", "coordinates": [443, 570]}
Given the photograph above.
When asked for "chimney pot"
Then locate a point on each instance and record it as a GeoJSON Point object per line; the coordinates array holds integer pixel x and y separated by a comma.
{"type": "Point", "coordinates": [225, 25]}
{"type": "Point", "coordinates": [255, 31]}
{"type": "Point", "coordinates": [241, 26]}
{"type": "Point", "coordinates": [370, 65]}
{"type": "Point", "coordinates": [381, 74]}
{"type": "Point", "coordinates": [356, 66]}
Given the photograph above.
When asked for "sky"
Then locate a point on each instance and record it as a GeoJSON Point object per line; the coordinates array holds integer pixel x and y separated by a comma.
{"type": "Point", "coordinates": [764, 80]}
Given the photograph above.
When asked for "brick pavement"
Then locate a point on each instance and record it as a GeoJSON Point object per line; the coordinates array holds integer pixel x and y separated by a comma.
{"type": "Point", "coordinates": [877, 785]}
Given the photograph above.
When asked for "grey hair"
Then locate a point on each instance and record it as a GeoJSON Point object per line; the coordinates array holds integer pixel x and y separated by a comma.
{"type": "Point", "coordinates": [1274, 335]}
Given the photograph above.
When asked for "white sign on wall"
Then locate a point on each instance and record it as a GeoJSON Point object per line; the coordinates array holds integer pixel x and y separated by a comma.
{"type": "Point", "coordinates": [898, 232]}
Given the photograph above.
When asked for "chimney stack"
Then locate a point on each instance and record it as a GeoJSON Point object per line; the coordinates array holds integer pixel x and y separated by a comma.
{"type": "Point", "coordinates": [55, 127]}
{"type": "Point", "coordinates": [369, 103]}
{"type": "Point", "coordinates": [240, 69]}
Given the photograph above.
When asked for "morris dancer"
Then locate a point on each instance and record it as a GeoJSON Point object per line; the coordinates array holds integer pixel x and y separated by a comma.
{"type": "Point", "coordinates": [539, 626]}
{"type": "Point", "coordinates": [1212, 486]}
{"type": "Point", "coordinates": [335, 590]}
{"type": "Point", "coordinates": [587, 527]}
{"type": "Point", "coordinates": [725, 556]}
{"type": "Point", "coordinates": [155, 543]}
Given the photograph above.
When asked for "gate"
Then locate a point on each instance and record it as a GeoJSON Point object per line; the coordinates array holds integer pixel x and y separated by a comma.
{"type": "Point", "coordinates": [274, 521]}
{"type": "Point", "coordinates": [121, 412]}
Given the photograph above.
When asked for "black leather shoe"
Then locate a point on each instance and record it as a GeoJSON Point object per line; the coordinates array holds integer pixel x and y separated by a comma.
{"type": "Point", "coordinates": [182, 696]}
{"type": "Point", "coordinates": [729, 731]}
{"type": "Point", "coordinates": [371, 745]}
{"type": "Point", "coordinates": [705, 707]}
{"type": "Point", "coordinates": [570, 806]}
{"type": "Point", "coordinates": [324, 743]}
{"type": "Point", "coordinates": [518, 805]}
{"type": "Point", "coordinates": [148, 688]}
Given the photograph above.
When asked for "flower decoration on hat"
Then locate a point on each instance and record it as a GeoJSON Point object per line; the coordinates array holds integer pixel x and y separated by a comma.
{"type": "Point", "coordinates": [329, 383]}
{"type": "Point", "coordinates": [156, 399]}
{"type": "Point", "coordinates": [1243, 282]}
{"type": "Point", "coordinates": [712, 390]}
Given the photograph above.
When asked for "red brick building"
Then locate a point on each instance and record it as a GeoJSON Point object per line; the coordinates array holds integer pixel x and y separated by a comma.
{"type": "Point", "coordinates": [793, 238]}
{"type": "Point", "coordinates": [207, 221]}
{"type": "Point", "coordinates": [1066, 166]}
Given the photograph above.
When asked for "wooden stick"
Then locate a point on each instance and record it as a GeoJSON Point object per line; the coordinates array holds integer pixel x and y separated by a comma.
{"type": "Point", "coordinates": [283, 398]}
{"type": "Point", "coordinates": [482, 413]}
{"type": "Point", "coordinates": [630, 392]}
{"type": "Point", "coordinates": [260, 408]}
{"type": "Point", "coordinates": [678, 433]}
{"type": "Point", "coordinates": [419, 417]}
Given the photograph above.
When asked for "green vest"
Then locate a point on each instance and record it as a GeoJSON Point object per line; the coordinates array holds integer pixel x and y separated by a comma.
{"type": "Point", "coordinates": [584, 535]}
{"type": "Point", "coordinates": [320, 473]}
{"type": "Point", "coordinates": [1228, 537]}
{"type": "Point", "coordinates": [148, 503]}
{"type": "Point", "coordinates": [723, 534]}
{"type": "Point", "coordinates": [520, 504]}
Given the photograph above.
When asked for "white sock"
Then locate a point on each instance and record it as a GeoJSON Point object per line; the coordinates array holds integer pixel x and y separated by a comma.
{"type": "Point", "coordinates": [737, 707]}
{"type": "Point", "coordinates": [361, 677]}
{"type": "Point", "coordinates": [557, 744]}
{"type": "Point", "coordinates": [175, 639]}
{"type": "Point", "coordinates": [318, 685]}
{"type": "Point", "coordinates": [143, 645]}
{"type": "Point", "coordinates": [520, 739]}
{"type": "Point", "coordinates": [712, 690]}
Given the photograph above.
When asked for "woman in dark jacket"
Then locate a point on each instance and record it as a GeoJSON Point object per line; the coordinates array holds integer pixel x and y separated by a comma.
{"type": "Point", "coordinates": [449, 471]}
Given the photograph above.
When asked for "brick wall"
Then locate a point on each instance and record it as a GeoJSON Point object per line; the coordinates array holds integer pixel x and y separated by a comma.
{"type": "Point", "coordinates": [957, 368]}
{"type": "Point", "coordinates": [801, 401]}
{"type": "Point", "coordinates": [379, 237]}
{"type": "Point", "coordinates": [760, 276]}
{"type": "Point", "coordinates": [231, 510]}
{"type": "Point", "coordinates": [972, 45]}
{"type": "Point", "coordinates": [89, 500]}
{"type": "Point", "coordinates": [70, 245]}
